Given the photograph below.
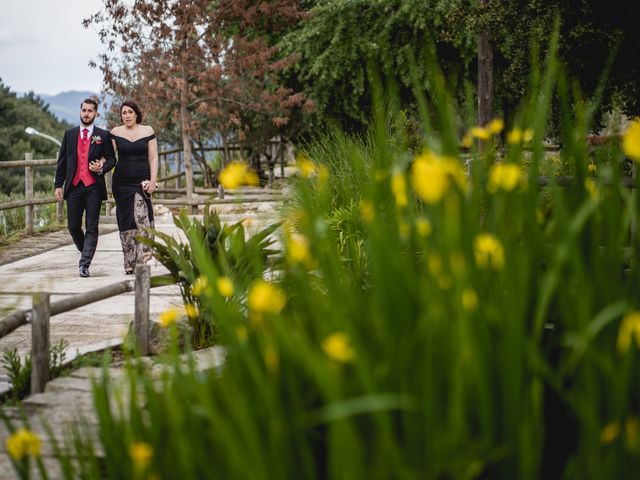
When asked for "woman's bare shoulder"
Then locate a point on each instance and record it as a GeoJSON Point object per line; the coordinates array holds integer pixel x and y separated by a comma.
{"type": "Point", "coordinates": [116, 130]}
{"type": "Point", "coordinates": [147, 130]}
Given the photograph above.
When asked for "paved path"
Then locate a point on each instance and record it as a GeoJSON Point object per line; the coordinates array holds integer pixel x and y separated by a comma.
{"type": "Point", "coordinates": [43, 242]}
{"type": "Point", "coordinates": [106, 322]}
{"type": "Point", "coordinates": [56, 271]}
{"type": "Point", "coordinates": [94, 326]}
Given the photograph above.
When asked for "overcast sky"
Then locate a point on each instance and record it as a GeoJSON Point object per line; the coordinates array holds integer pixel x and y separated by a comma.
{"type": "Point", "coordinates": [45, 48]}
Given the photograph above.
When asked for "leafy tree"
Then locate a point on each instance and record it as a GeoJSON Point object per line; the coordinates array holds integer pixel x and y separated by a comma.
{"type": "Point", "coordinates": [593, 33]}
{"type": "Point", "coordinates": [198, 65]}
{"type": "Point", "coordinates": [340, 36]}
{"type": "Point", "coordinates": [28, 111]}
{"type": "Point", "coordinates": [15, 115]}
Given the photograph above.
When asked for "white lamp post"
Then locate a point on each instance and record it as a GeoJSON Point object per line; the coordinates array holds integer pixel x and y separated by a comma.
{"type": "Point", "coordinates": [33, 131]}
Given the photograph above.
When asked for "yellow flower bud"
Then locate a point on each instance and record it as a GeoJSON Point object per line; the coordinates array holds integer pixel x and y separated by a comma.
{"type": "Point", "coordinates": [399, 189]}
{"type": "Point", "coordinates": [591, 187]}
{"type": "Point", "coordinates": [469, 299]}
{"type": "Point", "coordinates": [200, 286]}
{"type": "Point", "coordinates": [266, 298]}
{"type": "Point", "coordinates": [527, 135]}
{"type": "Point", "coordinates": [299, 251]}
{"type": "Point", "coordinates": [488, 252]}
{"type": "Point", "coordinates": [141, 454]}
{"type": "Point", "coordinates": [23, 443]}
{"type": "Point", "coordinates": [514, 137]}
{"type": "Point", "coordinates": [629, 330]}
{"type": "Point", "coordinates": [225, 286]}
{"type": "Point", "coordinates": [423, 227]}
{"type": "Point", "coordinates": [432, 176]}
{"type": "Point", "coordinates": [495, 126]}
{"type": "Point", "coordinates": [480, 133]}
{"type": "Point", "coordinates": [609, 433]}
{"type": "Point", "coordinates": [367, 211]}
{"type": "Point", "coordinates": [169, 317]}
{"type": "Point", "coordinates": [306, 167]}
{"type": "Point", "coordinates": [233, 175]}
{"type": "Point", "coordinates": [504, 177]}
{"type": "Point", "coordinates": [338, 348]}
{"type": "Point", "coordinates": [631, 140]}
{"type": "Point", "coordinates": [191, 310]}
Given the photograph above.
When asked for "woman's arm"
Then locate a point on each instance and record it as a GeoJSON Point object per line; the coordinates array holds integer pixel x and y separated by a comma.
{"type": "Point", "coordinates": [152, 150]}
{"type": "Point", "coordinates": [108, 161]}
{"type": "Point", "coordinates": [113, 143]}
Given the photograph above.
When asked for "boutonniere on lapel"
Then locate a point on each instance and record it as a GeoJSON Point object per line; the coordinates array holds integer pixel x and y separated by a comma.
{"type": "Point", "coordinates": [97, 139]}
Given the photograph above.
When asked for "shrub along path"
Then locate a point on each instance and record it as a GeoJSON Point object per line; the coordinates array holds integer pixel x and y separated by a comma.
{"type": "Point", "coordinates": [95, 326]}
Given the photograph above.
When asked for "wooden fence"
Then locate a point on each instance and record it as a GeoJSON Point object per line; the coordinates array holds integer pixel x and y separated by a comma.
{"type": "Point", "coordinates": [42, 310]}
{"type": "Point", "coordinates": [29, 165]}
{"type": "Point", "coordinates": [29, 201]}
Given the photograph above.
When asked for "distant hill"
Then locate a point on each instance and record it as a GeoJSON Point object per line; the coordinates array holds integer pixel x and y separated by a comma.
{"type": "Point", "coordinates": [66, 105]}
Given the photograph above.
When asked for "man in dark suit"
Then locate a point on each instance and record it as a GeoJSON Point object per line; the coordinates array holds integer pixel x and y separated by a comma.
{"type": "Point", "coordinates": [85, 156]}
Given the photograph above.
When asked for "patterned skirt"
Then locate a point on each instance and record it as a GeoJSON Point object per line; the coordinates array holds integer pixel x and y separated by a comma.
{"type": "Point", "coordinates": [134, 213]}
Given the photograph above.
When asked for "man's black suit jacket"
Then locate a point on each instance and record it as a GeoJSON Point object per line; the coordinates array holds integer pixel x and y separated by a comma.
{"type": "Point", "coordinates": [100, 146]}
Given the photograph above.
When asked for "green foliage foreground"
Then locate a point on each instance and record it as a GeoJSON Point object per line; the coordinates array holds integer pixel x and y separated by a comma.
{"type": "Point", "coordinates": [464, 327]}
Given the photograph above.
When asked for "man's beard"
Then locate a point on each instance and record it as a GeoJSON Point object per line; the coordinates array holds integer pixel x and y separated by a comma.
{"type": "Point", "coordinates": [85, 123]}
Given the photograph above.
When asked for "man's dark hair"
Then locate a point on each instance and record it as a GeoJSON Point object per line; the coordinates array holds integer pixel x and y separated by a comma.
{"type": "Point", "coordinates": [133, 106]}
{"type": "Point", "coordinates": [90, 101]}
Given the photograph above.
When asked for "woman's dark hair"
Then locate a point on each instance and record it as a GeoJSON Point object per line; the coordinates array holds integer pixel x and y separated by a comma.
{"type": "Point", "coordinates": [133, 106]}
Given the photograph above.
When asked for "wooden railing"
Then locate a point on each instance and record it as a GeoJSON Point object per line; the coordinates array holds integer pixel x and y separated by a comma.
{"type": "Point", "coordinates": [29, 201]}
{"type": "Point", "coordinates": [42, 310]}
{"type": "Point", "coordinates": [29, 165]}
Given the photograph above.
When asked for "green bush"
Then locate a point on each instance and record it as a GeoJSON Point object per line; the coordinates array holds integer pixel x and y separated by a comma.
{"type": "Point", "coordinates": [19, 370]}
{"type": "Point", "coordinates": [233, 254]}
{"type": "Point", "coordinates": [13, 221]}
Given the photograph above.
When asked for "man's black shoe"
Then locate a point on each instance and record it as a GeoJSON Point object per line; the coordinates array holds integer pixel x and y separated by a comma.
{"type": "Point", "coordinates": [84, 272]}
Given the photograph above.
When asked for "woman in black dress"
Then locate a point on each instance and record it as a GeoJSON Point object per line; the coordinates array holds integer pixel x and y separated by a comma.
{"type": "Point", "coordinates": [134, 180]}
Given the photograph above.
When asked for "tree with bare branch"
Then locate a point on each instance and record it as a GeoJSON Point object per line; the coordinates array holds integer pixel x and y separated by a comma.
{"type": "Point", "coordinates": [199, 65]}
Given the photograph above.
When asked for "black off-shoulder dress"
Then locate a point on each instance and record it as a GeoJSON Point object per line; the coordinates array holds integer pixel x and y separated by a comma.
{"type": "Point", "coordinates": [133, 206]}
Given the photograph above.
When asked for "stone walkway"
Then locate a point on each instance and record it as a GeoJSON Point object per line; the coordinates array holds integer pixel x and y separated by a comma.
{"type": "Point", "coordinates": [96, 326]}
{"type": "Point", "coordinates": [43, 242]}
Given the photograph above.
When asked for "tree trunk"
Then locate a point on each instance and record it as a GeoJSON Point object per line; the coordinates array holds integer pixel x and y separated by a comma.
{"type": "Point", "coordinates": [485, 76]}
{"type": "Point", "coordinates": [206, 172]}
{"type": "Point", "coordinates": [225, 152]}
{"type": "Point", "coordinates": [185, 120]}
{"type": "Point", "coordinates": [201, 157]}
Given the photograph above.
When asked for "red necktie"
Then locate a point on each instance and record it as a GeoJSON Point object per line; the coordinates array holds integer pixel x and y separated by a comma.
{"type": "Point", "coordinates": [85, 134]}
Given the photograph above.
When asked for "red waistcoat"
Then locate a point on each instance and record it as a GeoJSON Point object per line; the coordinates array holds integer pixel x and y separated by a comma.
{"type": "Point", "coordinates": [82, 168]}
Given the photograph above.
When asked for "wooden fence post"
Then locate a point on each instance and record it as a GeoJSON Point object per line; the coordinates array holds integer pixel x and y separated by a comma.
{"type": "Point", "coordinates": [59, 205]}
{"type": "Point", "coordinates": [141, 318]}
{"type": "Point", "coordinates": [107, 205]}
{"type": "Point", "coordinates": [283, 146]}
{"type": "Point", "coordinates": [178, 168]}
{"type": "Point", "coordinates": [165, 172]}
{"type": "Point", "coordinates": [40, 372]}
{"type": "Point", "coordinates": [28, 193]}
{"type": "Point", "coordinates": [60, 212]}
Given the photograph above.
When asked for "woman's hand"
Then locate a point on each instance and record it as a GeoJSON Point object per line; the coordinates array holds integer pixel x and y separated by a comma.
{"type": "Point", "coordinates": [149, 187]}
{"type": "Point", "coordinates": [96, 165]}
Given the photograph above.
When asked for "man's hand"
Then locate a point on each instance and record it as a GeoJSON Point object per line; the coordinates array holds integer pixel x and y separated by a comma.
{"type": "Point", "coordinates": [58, 194]}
